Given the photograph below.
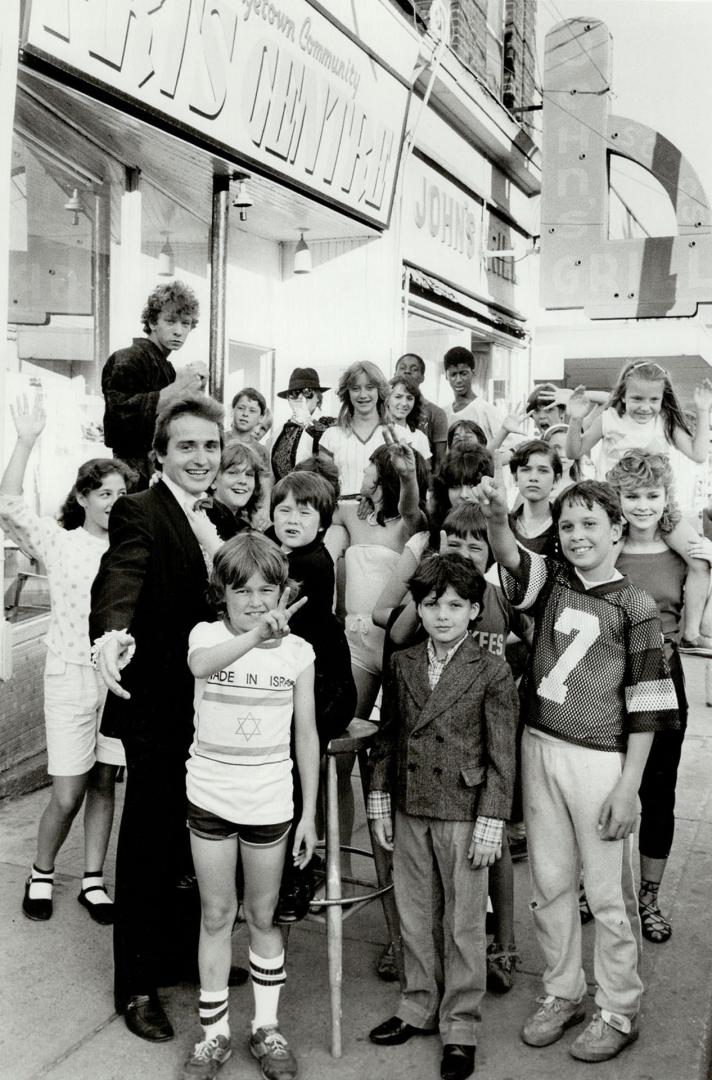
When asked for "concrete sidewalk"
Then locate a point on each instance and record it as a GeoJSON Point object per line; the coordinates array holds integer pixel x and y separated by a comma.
{"type": "Point", "coordinates": [55, 978]}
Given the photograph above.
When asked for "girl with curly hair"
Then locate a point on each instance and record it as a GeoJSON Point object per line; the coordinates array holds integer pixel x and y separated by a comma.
{"type": "Point", "coordinates": [81, 761]}
{"type": "Point", "coordinates": [644, 484]}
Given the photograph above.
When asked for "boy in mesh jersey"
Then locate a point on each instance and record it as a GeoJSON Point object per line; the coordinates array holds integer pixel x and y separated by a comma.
{"type": "Point", "coordinates": [597, 688]}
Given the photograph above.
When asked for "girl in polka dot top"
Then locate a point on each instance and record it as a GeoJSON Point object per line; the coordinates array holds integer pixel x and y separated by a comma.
{"type": "Point", "coordinates": [81, 761]}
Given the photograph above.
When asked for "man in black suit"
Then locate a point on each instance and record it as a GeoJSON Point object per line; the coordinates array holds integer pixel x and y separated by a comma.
{"type": "Point", "coordinates": [151, 591]}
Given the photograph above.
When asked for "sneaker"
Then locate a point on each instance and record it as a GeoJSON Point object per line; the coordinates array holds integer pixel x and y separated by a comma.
{"type": "Point", "coordinates": [501, 965]}
{"type": "Point", "coordinates": [602, 1040]}
{"type": "Point", "coordinates": [700, 646]}
{"type": "Point", "coordinates": [271, 1049]}
{"type": "Point", "coordinates": [386, 967]}
{"type": "Point", "coordinates": [551, 1020]}
{"type": "Point", "coordinates": [206, 1058]}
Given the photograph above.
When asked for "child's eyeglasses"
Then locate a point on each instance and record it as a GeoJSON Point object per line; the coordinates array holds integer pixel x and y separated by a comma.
{"type": "Point", "coordinates": [306, 394]}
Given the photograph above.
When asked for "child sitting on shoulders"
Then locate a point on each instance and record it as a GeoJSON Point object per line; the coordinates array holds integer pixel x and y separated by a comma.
{"type": "Point", "coordinates": [598, 687]}
{"type": "Point", "coordinates": [253, 678]}
{"type": "Point", "coordinates": [441, 779]}
{"type": "Point", "coordinates": [645, 413]}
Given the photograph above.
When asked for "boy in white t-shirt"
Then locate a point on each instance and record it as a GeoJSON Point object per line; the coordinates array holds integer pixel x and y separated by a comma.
{"type": "Point", "coordinates": [459, 367]}
{"type": "Point", "coordinates": [252, 677]}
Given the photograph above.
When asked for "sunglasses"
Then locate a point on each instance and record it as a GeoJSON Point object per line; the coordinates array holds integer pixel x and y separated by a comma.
{"type": "Point", "coordinates": [306, 394]}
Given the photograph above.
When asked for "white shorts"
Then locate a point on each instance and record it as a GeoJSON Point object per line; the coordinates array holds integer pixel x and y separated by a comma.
{"type": "Point", "coordinates": [74, 702]}
{"type": "Point", "coordinates": [366, 641]}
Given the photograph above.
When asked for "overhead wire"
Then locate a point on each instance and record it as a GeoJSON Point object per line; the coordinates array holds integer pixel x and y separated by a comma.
{"type": "Point", "coordinates": [551, 4]}
{"type": "Point", "coordinates": [553, 10]}
{"type": "Point", "coordinates": [654, 172]}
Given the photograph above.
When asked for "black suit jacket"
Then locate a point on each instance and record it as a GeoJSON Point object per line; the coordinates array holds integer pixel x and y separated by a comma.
{"type": "Point", "coordinates": [152, 581]}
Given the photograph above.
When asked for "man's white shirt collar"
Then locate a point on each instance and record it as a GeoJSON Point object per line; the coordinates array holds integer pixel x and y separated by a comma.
{"type": "Point", "coordinates": [185, 499]}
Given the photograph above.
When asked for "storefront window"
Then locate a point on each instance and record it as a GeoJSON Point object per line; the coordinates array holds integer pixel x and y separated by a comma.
{"type": "Point", "coordinates": [175, 246]}
{"type": "Point", "coordinates": [60, 239]}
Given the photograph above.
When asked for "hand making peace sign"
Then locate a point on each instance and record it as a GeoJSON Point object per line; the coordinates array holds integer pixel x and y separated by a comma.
{"type": "Point", "coordinates": [274, 624]}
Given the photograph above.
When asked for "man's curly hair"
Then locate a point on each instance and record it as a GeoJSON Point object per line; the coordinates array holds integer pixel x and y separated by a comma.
{"type": "Point", "coordinates": [175, 295]}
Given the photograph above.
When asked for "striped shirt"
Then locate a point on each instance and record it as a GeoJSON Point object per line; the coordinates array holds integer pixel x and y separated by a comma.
{"type": "Point", "coordinates": [240, 766]}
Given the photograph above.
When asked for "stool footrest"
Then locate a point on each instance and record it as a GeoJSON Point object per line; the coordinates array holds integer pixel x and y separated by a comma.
{"type": "Point", "coordinates": [346, 901]}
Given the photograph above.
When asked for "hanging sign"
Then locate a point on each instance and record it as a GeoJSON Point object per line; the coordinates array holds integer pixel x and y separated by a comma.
{"type": "Point", "coordinates": [581, 267]}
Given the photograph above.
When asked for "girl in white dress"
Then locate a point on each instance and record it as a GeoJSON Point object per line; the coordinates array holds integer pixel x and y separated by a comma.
{"type": "Point", "coordinates": [81, 761]}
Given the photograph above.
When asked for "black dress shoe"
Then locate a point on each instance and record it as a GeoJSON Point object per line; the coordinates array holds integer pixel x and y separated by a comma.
{"type": "Point", "coordinates": [100, 913]}
{"type": "Point", "coordinates": [145, 1017]}
{"type": "Point", "coordinates": [394, 1031]}
{"type": "Point", "coordinates": [37, 910]}
{"type": "Point", "coordinates": [458, 1061]}
{"type": "Point", "coordinates": [295, 896]}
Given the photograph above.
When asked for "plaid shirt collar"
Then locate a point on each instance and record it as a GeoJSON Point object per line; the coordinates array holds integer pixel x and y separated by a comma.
{"type": "Point", "coordinates": [436, 666]}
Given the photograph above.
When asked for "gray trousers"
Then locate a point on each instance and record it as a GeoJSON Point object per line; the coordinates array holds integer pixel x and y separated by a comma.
{"type": "Point", "coordinates": [442, 904]}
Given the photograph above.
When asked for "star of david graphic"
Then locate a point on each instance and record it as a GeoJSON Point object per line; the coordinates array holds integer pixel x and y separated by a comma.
{"type": "Point", "coordinates": [248, 726]}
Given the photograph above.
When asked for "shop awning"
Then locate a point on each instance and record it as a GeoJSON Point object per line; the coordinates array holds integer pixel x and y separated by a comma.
{"type": "Point", "coordinates": [433, 289]}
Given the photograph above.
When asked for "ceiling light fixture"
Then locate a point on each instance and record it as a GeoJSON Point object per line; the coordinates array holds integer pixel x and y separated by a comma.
{"type": "Point", "coordinates": [166, 262]}
{"type": "Point", "coordinates": [302, 255]}
{"type": "Point", "coordinates": [241, 199]}
{"type": "Point", "coordinates": [74, 206]}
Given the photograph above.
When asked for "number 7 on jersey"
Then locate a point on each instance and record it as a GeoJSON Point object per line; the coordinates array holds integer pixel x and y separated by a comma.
{"type": "Point", "coordinates": [585, 629]}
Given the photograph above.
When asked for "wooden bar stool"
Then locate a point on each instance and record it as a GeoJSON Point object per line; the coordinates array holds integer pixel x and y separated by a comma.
{"type": "Point", "coordinates": [356, 740]}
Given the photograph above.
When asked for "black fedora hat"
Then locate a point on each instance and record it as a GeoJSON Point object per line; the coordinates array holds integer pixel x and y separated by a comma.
{"type": "Point", "coordinates": [302, 378]}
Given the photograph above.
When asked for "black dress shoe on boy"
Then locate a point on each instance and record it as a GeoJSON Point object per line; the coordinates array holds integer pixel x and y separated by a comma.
{"type": "Point", "coordinates": [394, 1031]}
{"type": "Point", "coordinates": [458, 1061]}
{"type": "Point", "coordinates": [145, 1017]}
{"type": "Point", "coordinates": [295, 896]}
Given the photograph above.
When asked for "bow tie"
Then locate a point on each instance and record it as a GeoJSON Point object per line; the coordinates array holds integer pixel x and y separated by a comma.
{"type": "Point", "coordinates": [203, 504]}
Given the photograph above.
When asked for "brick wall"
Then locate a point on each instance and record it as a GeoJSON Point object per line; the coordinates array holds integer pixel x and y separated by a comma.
{"type": "Point", "coordinates": [520, 57]}
{"type": "Point", "coordinates": [468, 38]}
{"type": "Point", "coordinates": [23, 760]}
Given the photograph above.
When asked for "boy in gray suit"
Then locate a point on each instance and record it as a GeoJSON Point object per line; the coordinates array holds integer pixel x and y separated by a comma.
{"type": "Point", "coordinates": [445, 755]}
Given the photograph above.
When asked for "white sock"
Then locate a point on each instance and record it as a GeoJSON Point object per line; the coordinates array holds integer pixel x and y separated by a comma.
{"type": "Point", "coordinates": [213, 1011]}
{"type": "Point", "coordinates": [41, 884]}
{"type": "Point", "coordinates": [268, 978]}
{"type": "Point", "coordinates": [93, 889]}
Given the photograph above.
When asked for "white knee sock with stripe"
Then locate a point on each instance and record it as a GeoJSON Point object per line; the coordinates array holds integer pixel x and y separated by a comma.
{"type": "Point", "coordinates": [213, 1011]}
{"type": "Point", "coordinates": [268, 978]}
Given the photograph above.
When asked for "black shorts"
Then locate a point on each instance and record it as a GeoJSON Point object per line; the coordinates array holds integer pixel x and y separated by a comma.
{"type": "Point", "coordinates": [210, 826]}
